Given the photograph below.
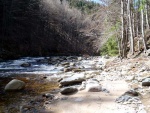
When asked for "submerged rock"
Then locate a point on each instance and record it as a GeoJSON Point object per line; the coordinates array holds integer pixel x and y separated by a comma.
{"type": "Point", "coordinates": [14, 85]}
{"type": "Point", "coordinates": [25, 65]}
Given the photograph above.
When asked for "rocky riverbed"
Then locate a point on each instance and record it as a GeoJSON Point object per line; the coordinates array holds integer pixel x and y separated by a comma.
{"type": "Point", "coordinates": [86, 84]}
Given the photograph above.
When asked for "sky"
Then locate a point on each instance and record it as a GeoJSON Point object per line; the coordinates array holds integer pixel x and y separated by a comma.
{"type": "Point", "coordinates": [96, 1]}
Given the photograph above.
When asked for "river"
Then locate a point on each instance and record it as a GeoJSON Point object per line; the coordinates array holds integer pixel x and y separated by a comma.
{"type": "Point", "coordinates": [39, 65]}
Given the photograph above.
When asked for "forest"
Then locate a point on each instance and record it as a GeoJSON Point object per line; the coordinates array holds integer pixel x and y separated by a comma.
{"type": "Point", "coordinates": [73, 27]}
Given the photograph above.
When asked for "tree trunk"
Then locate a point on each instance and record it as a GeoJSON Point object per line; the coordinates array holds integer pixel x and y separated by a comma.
{"type": "Point", "coordinates": [146, 14]}
{"type": "Point", "coordinates": [123, 37]}
{"type": "Point", "coordinates": [130, 27]}
{"type": "Point", "coordinates": [142, 28]}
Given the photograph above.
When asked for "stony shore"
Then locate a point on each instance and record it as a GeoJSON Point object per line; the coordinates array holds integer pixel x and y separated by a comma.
{"type": "Point", "coordinates": [94, 85]}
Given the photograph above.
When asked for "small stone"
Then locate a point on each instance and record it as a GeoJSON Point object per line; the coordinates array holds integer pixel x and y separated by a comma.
{"type": "Point", "coordinates": [48, 95]}
{"type": "Point", "coordinates": [64, 98]}
{"type": "Point", "coordinates": [47, 102]}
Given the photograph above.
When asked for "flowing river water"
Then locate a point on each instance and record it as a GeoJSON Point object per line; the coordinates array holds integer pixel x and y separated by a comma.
{"type": "Point", "coordinates": [39, 65]}
{"type": "Point", "coordinates": [34, 75]}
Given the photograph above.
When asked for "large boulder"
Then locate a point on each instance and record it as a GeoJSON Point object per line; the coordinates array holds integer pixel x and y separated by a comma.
{"type": "Point", "coordinates": [92, 85]}
{"type": "Point", "coordinates": [14, 85]}
{"type": "Point", "coordinates": [68, 90]}
{"type": "Point", "coordinates": [75, 79]}
{"type": "Point", "coordinates": [146, 82]}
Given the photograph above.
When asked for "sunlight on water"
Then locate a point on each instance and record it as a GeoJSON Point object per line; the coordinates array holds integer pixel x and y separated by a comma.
{"type": "Point", "coordinates": [14, 67]}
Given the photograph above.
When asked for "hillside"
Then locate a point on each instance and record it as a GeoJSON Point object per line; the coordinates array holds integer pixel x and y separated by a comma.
{"type": "Point", "coordinates": [48, 27]}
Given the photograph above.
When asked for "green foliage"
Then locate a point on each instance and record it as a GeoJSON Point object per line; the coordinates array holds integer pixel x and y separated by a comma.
{"type": "Point", "coordinates": [83, 5]}
{"type": "Point", "coordinates": [110, 47]}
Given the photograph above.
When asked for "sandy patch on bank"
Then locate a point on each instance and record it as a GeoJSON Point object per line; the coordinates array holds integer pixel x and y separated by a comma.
{"type": "Point", "coordinates": [93, 102]}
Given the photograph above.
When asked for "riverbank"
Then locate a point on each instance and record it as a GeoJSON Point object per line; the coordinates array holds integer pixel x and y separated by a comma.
{"type": "Point", "coordinates": [116, 87]}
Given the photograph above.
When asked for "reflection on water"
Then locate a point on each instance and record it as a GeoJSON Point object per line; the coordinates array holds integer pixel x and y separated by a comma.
{"type": "Point", "coordinates": [10, 101]}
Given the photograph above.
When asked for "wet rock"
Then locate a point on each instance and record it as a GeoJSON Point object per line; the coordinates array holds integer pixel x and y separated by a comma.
{"type": "Point", "coordinates": [146, 82]}
{"type": "Point", "coordinates": [76, 78]}
{"type": "Point", "coordinates": [93, 85]}
{"type": "Point", "coordinates": [68, 90]}
{"type": "Point", "coordinates": [25, 65]}
{"type": "Point", "coordinates": [15, 85]}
